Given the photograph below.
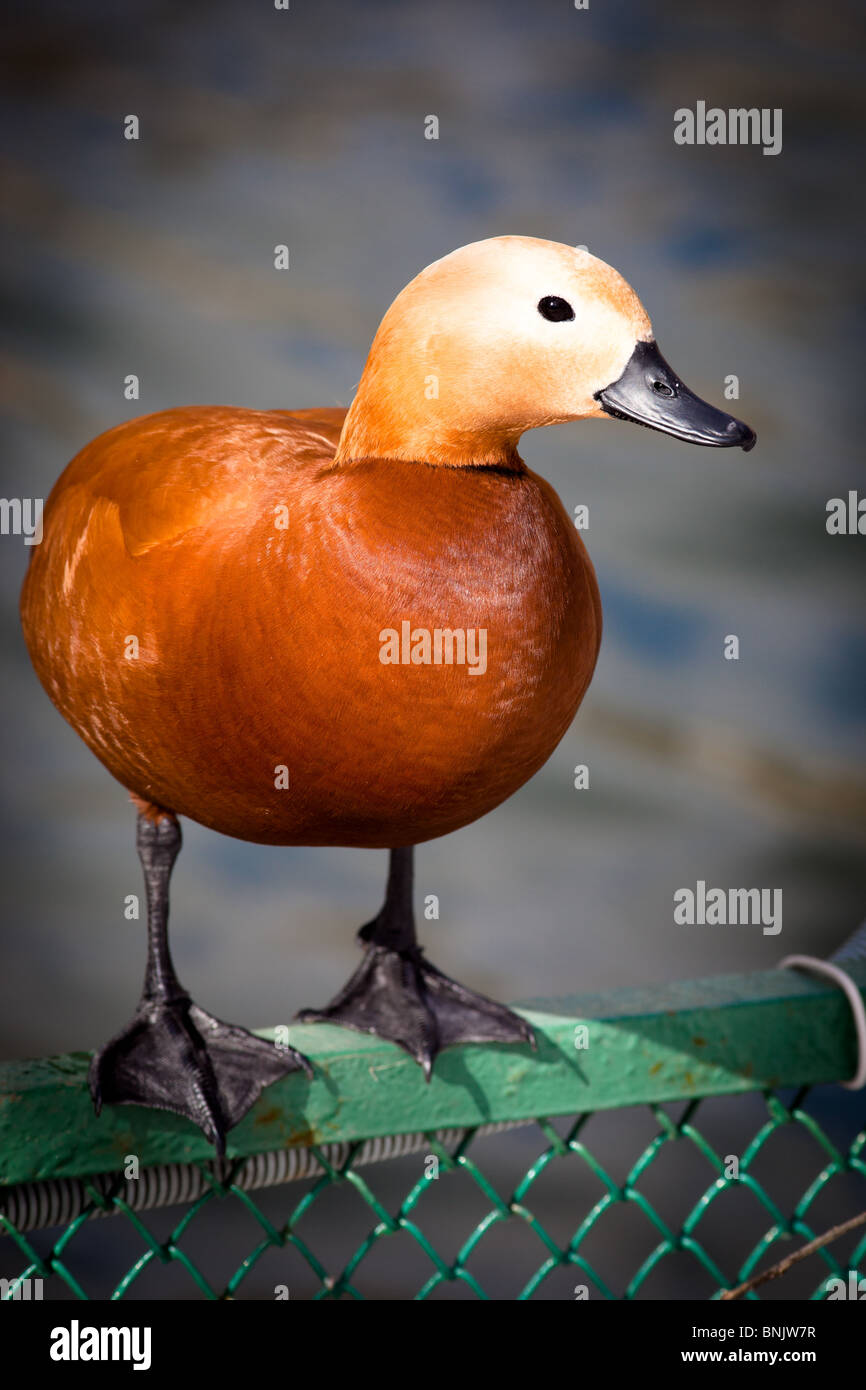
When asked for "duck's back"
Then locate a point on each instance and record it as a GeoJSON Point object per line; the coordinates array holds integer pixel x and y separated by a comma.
{"type": "Point", "coordinates": [207, 608]}
{"type": "Point", "coordinates": [165, 474]}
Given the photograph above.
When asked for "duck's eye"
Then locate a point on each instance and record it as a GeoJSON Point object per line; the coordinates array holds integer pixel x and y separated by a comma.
{"type": "Point", "coordinates": [555, 309]}
{"type": "Point", "coordinates": [662, 389]}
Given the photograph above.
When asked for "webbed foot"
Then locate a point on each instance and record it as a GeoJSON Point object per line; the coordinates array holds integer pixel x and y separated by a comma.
{"type": "Point", "coordinates": [175, 1056]}
{"type": "Point", "coordinates": [398, 995]}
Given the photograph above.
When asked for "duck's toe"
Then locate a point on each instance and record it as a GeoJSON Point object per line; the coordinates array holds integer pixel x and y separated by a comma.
{"type": "Point", "coordinates": [175, 1056]}
{"type": "Point", "coordinates": [398, 995]}
{"type": "Point", "coordinates": [464, 1016]}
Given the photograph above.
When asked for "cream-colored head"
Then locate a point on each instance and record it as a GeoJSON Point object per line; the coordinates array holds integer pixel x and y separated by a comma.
{"type": "Point", "coordinates": [465, 361]}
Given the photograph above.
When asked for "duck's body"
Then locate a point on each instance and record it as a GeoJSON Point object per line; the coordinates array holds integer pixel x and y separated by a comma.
{"type": "Point", "coordinates": [256, 576]}
{"type": "Point", "coordinates": [248, 616]}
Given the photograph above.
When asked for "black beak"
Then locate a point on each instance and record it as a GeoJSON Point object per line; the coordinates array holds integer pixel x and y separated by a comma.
{"type": "Point", "coordinates": [650, 393]}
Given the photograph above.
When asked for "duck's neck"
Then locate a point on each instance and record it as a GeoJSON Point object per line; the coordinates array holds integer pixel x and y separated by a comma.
{"type": "Point", "coordinates": [380, 425]}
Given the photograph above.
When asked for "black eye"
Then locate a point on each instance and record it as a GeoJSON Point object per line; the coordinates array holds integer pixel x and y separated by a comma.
{"type": "Point", "coordinates": [555, 309]}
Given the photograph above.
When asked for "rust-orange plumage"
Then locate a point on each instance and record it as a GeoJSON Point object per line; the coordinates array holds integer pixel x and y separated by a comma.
{"type": "Point", "coordinates": [208, 604]}
{"type": "Point", "coordinates": [255, 576]}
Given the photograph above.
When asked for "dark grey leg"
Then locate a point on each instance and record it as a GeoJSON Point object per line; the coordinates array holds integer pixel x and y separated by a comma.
{"type": "Point", "coordinates": [173, 1055]}
{"type": "Point", "coordinates": [397, 994]}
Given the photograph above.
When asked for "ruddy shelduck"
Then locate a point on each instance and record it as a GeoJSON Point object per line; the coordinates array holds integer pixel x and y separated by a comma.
{"type": "Point", "coordinates": [363, 628]}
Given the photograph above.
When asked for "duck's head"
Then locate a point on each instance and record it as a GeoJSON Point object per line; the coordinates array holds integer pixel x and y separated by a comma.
{"type": "Point", "coordinates": [508, 334]}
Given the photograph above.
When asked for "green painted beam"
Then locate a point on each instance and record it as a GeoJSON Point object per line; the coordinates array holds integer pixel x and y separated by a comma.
{"type": "Point", "coordinates": [716, 1036]}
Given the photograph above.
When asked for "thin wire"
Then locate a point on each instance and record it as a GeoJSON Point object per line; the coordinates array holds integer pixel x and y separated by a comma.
{"type": "Point", "coordinates": [852, 949]}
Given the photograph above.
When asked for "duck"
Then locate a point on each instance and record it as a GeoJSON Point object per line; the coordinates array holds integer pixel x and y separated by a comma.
{"type": "Point", "coordinates": [272, 623]}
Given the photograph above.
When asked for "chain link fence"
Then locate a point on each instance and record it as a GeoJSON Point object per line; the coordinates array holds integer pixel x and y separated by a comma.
{"type": "Point", "coordinates": [331, 1214]}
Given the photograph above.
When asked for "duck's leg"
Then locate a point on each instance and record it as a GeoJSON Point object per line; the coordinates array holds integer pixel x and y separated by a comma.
{"type": "Point", "coordinates": [173, 1055]}
{"type": "Point", "coordinates": [397, 994]}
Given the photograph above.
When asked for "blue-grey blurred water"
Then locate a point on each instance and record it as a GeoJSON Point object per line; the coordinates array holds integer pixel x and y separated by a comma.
{"type": "Point", "coordinates": [156, 257]}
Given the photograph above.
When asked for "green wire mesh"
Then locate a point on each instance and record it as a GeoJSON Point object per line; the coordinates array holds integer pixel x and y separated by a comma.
{"type": "Point", "coordinates": [59, 1264]}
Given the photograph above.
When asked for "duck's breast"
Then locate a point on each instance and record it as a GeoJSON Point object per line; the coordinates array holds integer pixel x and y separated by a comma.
{"type": "Point", "coordinates": [421, 641]}
{"type": "Point", "coordinates": [372, 654]}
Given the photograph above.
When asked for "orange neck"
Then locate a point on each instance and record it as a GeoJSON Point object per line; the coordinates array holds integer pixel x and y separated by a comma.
{"type": "Point", "coordinates": [379, 425]}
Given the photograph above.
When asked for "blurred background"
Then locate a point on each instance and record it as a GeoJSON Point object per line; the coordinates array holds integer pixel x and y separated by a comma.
{"type": "Point", "coordinates": [306, 127]}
